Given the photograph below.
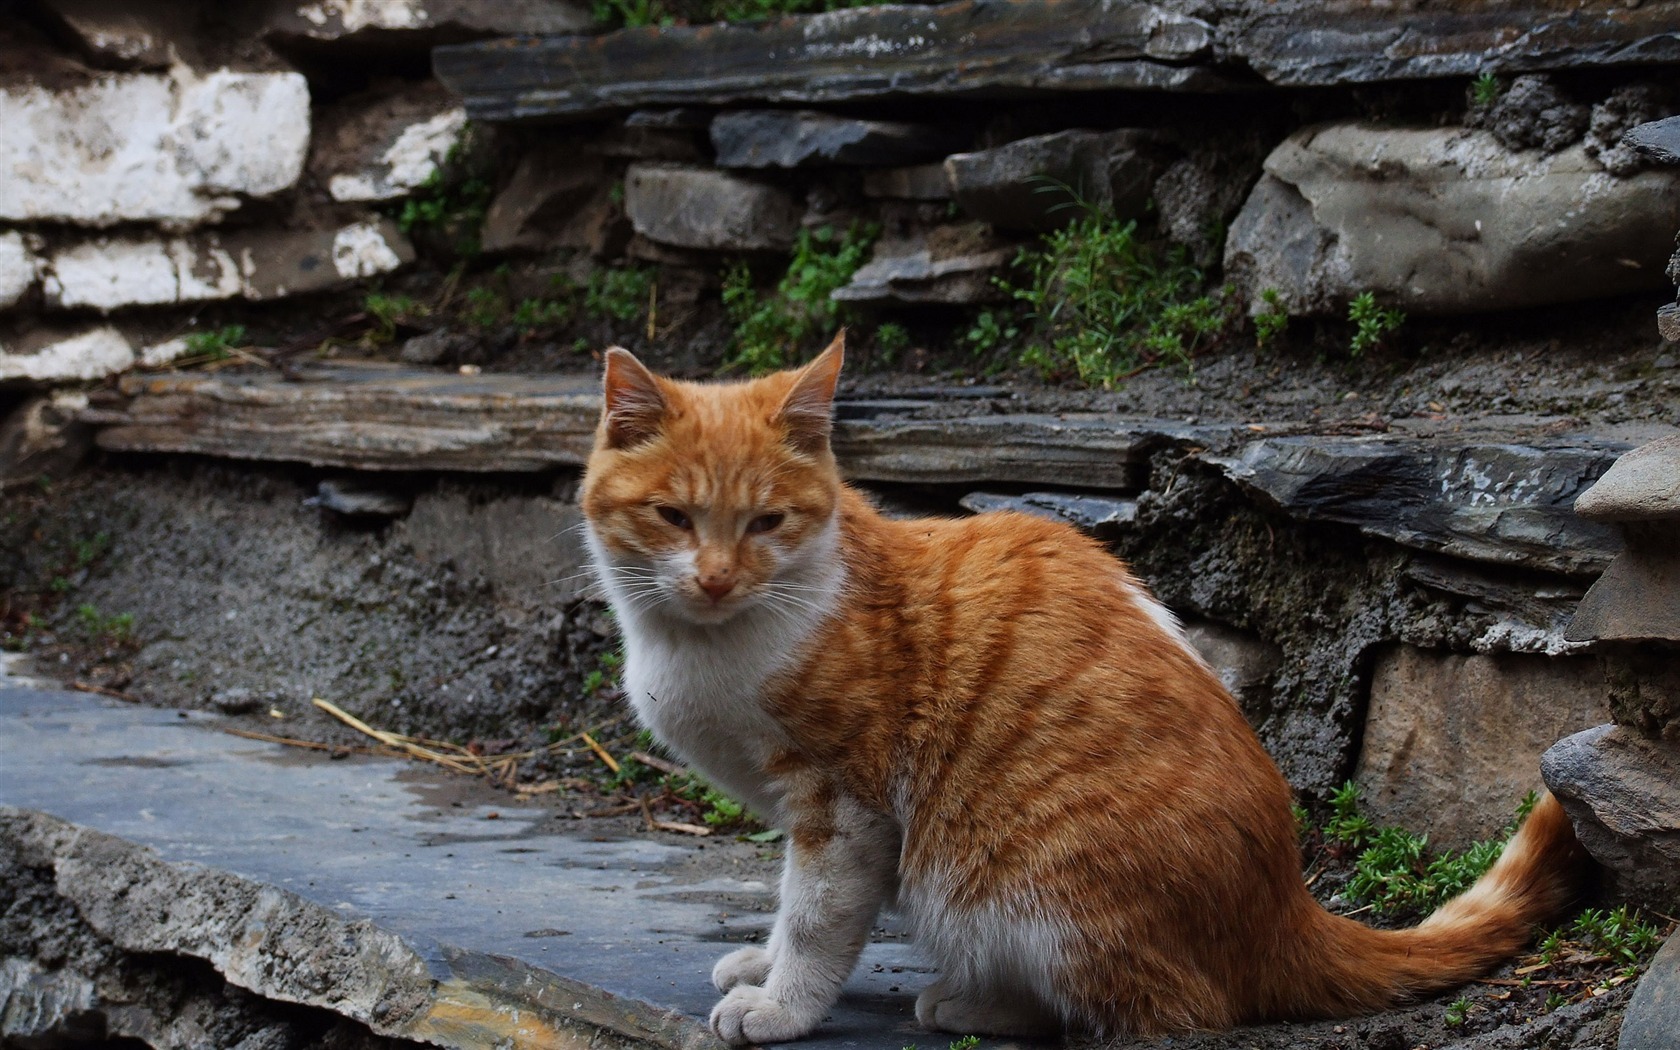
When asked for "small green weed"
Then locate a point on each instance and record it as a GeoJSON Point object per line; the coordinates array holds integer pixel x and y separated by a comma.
{"type": "Point", "coordinates": [451, 202]}
{"type": "Point", "coordinates": [1105, 303]}
{"type": "Point", "coordinates": [1272, 322]}
{"type": "Point", "coordinates": [1485, 90]}
{"type": "Point", "coordinates": [217, 344]}
{"type": "Point", "coordinates": [619, 293]}
{"type": "Point", "coordinates": [99, 627]}
{"type": "Point", "coordinates": [1372, 324]}
{"type": "Point", "coordinates": [384, 312]}
{"type": "Point", "coordinates": [533, 314]}
{"type": "Point", "coordinates": [891, 339]}
{"type": "Point", "coordinates": [990, 330]}
{"type": "Point", "coordinates": [485, 307]}
{"type": "Point", "coordinates": [769, 330]}
{"type": "Point", "coordinates": [1457, 1011]}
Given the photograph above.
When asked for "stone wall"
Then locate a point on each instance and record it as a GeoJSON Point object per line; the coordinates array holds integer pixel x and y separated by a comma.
{"type": "Point", "coordinates": [187, 166]}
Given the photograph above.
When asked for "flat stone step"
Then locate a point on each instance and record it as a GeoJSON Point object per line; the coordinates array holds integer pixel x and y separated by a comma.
{"type": "Point", "coordinates": [1004, 48]}
{"type": "Point", "coordinates": [1491, 490]}
{"type": "Point", "coordinates": [355, 886]}
{"type": "Point", "coordinates": [972, 48]}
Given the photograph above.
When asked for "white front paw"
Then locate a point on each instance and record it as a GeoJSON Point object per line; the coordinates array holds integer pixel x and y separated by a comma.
{"type": "Point", "coordinates": [741, 966]}
{"type": "Point", "coordinates": [748, 1015]}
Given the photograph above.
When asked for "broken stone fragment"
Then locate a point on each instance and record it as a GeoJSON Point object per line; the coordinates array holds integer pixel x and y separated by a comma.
{"type": "Point", "coordinates": [109, 275]}
{"type": "Point", "coordinates": [1453, 741]}
{"type": "Point", "coordinates": [1658, 140]}
{"type": "Point", "coordinates": [700, 208]}
{"type": "Point", "coordinates": [953, 265]}
{"type": "Point", "coordinates": [43, 438]}
{"type": "Point", "coordinates": [777, 138]}
{"type": "Point", "coordinates": [384, 147]}
{"type": "Point", "coordinates": [1037, 183]}
{"type": "Point", "coordinates": [1443, 221]}
{"type": "Point", "coordinates": [1102, 517]}
{"type": "Point", "coordinates": [355, 498]}
{"type": "Point", "coordinates": [558, 196]}
{"type": "Point", "coordinates": [1622, 792]}
{"type": "Point", "coordinates": [50, 357]}
{"type": "Point", "coordinates": [178, 150]}
{"type": "Point", "coordinates": [122, 36]}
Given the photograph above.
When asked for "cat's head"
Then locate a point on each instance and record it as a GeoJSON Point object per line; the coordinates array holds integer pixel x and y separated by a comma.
{"type": "Point", "coordinates": [705, 500]}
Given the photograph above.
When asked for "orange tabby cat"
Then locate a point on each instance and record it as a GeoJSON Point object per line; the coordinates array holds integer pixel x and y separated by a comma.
{"type": "Point", "coordinates": [987, 724]}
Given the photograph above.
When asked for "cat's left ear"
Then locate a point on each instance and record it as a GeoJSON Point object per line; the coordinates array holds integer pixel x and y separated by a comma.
{"type": "Point", "coordinates": [633, 408]}
{"type": "Point", "coordinates": [808, 411]}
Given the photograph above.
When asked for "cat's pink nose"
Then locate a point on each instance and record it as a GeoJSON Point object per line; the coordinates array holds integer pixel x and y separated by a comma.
{"type": "Point", "coordinates": [717, 586]}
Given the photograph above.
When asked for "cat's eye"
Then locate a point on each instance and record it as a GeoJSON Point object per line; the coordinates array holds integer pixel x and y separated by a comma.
{"type": "Point", "coordinates": [764, 523]}
{"type": "Point", "coordinates": [675, 517]}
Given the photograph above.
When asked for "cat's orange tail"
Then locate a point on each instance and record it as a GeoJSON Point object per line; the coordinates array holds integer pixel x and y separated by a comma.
{"type": "Point", "coordinates": [1342, 967]}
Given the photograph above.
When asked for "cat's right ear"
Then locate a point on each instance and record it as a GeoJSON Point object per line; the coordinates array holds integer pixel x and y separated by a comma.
{"type": "Point", "coordinates": [633, 407]}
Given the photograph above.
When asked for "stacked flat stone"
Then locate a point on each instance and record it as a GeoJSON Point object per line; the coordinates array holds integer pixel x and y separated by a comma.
{"type": "Point", "coordinates": [1621, 782]}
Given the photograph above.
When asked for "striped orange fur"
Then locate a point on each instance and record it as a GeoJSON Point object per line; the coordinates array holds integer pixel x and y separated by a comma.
{"type": "Point", "coordinates": [987, 723]}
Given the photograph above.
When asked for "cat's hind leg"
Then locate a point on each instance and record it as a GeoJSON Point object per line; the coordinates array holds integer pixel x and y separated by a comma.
{"type": "Point", "coordinates": [945, 1007]}
{"type": "Point", "coordinates": [842, 864]}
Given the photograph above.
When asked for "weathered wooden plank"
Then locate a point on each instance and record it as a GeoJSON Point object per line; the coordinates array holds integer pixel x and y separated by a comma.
{"type": "Point", "coordinates": [387, 417]}
{"type": "Point", "coordinates": [970, 48]}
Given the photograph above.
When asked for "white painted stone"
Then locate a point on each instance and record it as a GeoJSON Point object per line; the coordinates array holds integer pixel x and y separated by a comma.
{"type": "Point", "coordinates": [363, 251]}
{"type": "Point", "coordinates": [111, 274]}
{"type": "Point", "coordinates": [91, 355]}
{"type": "Point", "coordinates": [161, 354]}
{"type": "Point", "coordinates": [18, 269]}
{"type": "Point", "coordinates": [406, 164]}
{"type": "Point", "coordinates": [334, 19]}
{"type": "Point", "coordinates": [175, 149]}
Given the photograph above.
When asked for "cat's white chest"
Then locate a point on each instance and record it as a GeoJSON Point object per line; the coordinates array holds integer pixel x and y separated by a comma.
{"type": "Point", "coordinates": [701, 693]}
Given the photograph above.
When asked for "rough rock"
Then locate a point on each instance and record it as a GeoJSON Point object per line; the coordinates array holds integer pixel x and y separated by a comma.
{"type": "Point", "coordinates": [1668, 322]}
{"type": "Point", "coordinates": [779, 138]}
{"type": "Point", "coordinates": [1653, 1015]}
{"type": "Point", "coordinates": [1622, 792]}
{"type": "Point", "coordinates": [53, 357]}
{"type": "Point", "coordinates": [1505, 504]}
{"type": "Point", "coordinates": [1644, 684]}
{"type": "Point", "coordinates": [1033, 183]}
{"type": "Point", "coordinates": [1637, 599]}
{"type": "Point", "coordinates": [1317, 44]}
{"type": "Point", "coordinates": [355, 498]}
{"type": "Point", "coordinates": [701, 208]}
{"type": "Point", "coordinates": [177, 150]}
{"type": "Point", "coordinates": [1442, 220]}
{"type": "Point", "coordinates": [1100, 516]}
{"type": "Point", "coordinates": [550, 200]}
{"type": "Point", "coordinates": [43, 438]}
{"type": "Point", "coordinates": [1532, 113]}
{"type": "Point", "coordinates": [919, 182]}
{"type": "Point", "coordinates": [434, 347]}
{"type": "Point", "coordinates": [1643, 485]}
{"type": "Point", "coordinates": [957, 49]}
{"type": "Point", "coordinates": [19, 268]}
{"type": "Point", "coordinates": [1658, 140]}
{"type": "Point", "coordinates": [948, 264]}
{"type": "Point", "coordinates": [1627, 107]}
{"type": "Point", "coordinates": [420, 24]}
{"type": "Point", "coordinates": [518, 546]}
{"type": "Point", "coordinates": [384, 147]}
{"type": "Point", "coordinates": [1197, 195]}
{"type": "Point", "coordinates": [1452, 742]}
{"type": "Point", "coordinates": [1244, 662]}
{"type": "Point", "coordinates": [112, 274]}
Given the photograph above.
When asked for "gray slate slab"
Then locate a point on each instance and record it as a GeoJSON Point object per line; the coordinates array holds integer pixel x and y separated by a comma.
{"type": "Point", "coordinates": [347, 885]}
{"type": "Point", "coordinates": [971, 48]}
